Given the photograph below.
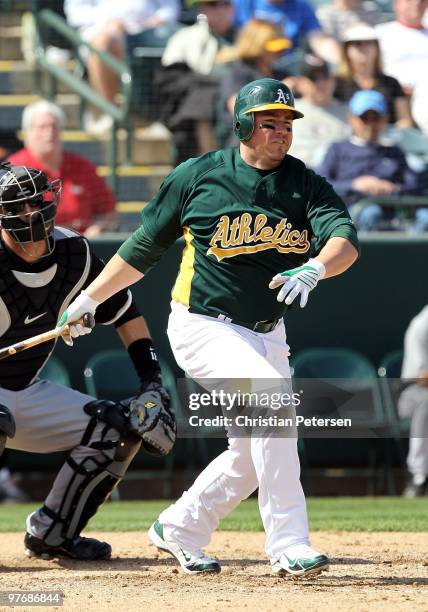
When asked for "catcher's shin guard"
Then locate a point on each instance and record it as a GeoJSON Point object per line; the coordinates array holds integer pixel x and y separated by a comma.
{"type": "Point", "coordinates": [89, 475]}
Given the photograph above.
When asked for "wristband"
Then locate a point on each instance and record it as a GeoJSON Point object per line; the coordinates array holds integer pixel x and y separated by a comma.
{"type": "Point", "coordinates": [85, 301]}
{"type": "Point", "coordinates": [144, 358]}
{"type": "Point", "coordinates": [318, 265]}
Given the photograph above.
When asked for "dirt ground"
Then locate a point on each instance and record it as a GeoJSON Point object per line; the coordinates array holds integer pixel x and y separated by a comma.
{"type": "Point", "coordinates": [368, 572]}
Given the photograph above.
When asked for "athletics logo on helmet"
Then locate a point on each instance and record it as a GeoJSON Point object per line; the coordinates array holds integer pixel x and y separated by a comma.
{"type": "Point", "coordinates": [260, 95]}
{"type": "Point", "coordinates": [28, 203]}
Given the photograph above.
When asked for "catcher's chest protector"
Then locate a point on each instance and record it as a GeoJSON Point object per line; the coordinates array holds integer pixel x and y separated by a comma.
{"type": "Point", "coordinates": [31, 299]}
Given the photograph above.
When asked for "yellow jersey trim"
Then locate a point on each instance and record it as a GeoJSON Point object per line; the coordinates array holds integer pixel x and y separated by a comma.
{"type": "Point", "coordinates": [181, 290]}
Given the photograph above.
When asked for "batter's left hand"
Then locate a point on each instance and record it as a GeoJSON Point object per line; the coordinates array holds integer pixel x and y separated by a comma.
{"type": "Point", "coordinates": [75, 311]}
{"type": "Point", "coordinates": [297, 281]}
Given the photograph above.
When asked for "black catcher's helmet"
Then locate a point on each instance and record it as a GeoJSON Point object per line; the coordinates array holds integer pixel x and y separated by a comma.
{"type": "Point", "coordinates": [19, 186]}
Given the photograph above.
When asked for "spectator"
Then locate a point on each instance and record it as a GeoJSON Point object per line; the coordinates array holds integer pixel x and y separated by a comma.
{"type": "Point", "coordinates": [298, 20]}
{"type": "Point", "coordinates": [413, 402]}
{"type": "Point", "coordinates": [340, 15]}
{"type": "Point", "coordinates": [113, 26]}
{"type": "Point", "coordinates": [325, 117]}
{"type": "Point", "coordinates": [87, 205]}
{"type": "Point", "coordinates": [198, 45]}
{"type": "Point", "coordinates": [420, 106]}
{"type": "Point", "coordinates": [361, 68]}
{"type": "Point", "coordinates": [9, 143]}
{"type": "Point", "coordinates": [187, 85]}
{"type": "Point", "coordinates": [361, 166]}
{"type": "Point", "coordinates": [258, 47]}
{"type": "Point", "coordinates": [404, 43]}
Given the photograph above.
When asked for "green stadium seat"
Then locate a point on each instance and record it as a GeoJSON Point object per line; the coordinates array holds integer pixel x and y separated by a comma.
{"type": "Point", "coordinates": [346, 370]}
{"type": "Point", "coordinates": [110, 375]}
{"type": "Point", "coordinates": [56, 372]}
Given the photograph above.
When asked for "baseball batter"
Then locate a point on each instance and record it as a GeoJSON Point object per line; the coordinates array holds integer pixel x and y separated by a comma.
{"type": "Point", "coordinates": [42, 269]}
{"type": "Point", "coordinates": [260, 231]}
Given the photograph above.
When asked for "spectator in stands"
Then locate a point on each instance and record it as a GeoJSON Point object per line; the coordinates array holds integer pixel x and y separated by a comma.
{"type": "Point", "coordinates": [258, 47]}
{"type": "Point", "coordinates": [420, 106]}
{"type": "Point", "coordinates": [113, 26]}
{"type": "Point", "coordinates": [413, 402]}
{"type": "Point", "coordinates": [9, 143]}
{"type": "Point", "coordinates": [298, 20]}
{"type": "Point", "coordinates": [325, 118]}
{"type": "Point", "coordinates": [338, 16]}
{"type": "Point", "coordinates": [361, 68]}
{"type": "Point", "coordinates": [361, 166]}
{"type": "Point", "coordinates": [187, 84]}
{"type": "Point", "coordinates": [198, 45]}
{"type": "Point", "coordinates": [404, 43]}
{"type": "Point", "coordinates": [87, 205]}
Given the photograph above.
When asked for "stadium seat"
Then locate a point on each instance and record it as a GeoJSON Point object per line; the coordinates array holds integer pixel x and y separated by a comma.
{"type": "Point", "coordinates": [348, 385]}
{"type": "Point", "coordinates": [56, 372]}
{"type": "Point", "coordinates": [110, 375]}
{"type": "Point", "coordinates": [389, 372]}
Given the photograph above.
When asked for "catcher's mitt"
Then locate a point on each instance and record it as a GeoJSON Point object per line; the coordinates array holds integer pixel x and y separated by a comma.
{"type": "Point", "coordinates": [150, 417]}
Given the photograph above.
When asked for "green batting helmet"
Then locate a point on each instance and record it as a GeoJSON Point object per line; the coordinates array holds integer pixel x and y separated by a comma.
{"type": "Point", "coordinates": [260, 95]}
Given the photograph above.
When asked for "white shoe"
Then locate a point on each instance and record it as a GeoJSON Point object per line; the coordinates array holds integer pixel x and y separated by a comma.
{"type": "Point", "coordinates": [97, 126]}
{"type": "Point", "coordinates": [192, 562]}
{"type": "Point", "coordinates": [301, 560]}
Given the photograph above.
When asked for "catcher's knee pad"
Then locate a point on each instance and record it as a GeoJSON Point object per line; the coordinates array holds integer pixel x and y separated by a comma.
{"type": "Point", "coordinates": [88, 478]}
{"type": "Point", "coordinates": [7, 426]}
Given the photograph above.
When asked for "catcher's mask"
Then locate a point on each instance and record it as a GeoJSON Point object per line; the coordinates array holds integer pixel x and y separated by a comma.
{"type": "Point", "coordinates": [260, 95]}
{"type": "Point", "coordinates": [28, 203]}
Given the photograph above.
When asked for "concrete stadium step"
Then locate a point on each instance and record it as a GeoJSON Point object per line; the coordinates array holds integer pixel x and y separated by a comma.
{"type": "Point", "coordinates": [10, 41]}
{"type": "Point", "coordinates": [129, 215]}
{"type": "Point", "coordinates": [148, 147]}
{"type": "Point", "coordinates": [151, 145]}
{"type": "Point", "coordinates": [17, 77]}
{"type": "Point", "coordinates": [11, 107]}
{"type": "Point", "coordinates": [10, 17]}
{"type": "Point", "coordinates": [83, 143]}
{"type": "Point", "coordinates": [136, 183]}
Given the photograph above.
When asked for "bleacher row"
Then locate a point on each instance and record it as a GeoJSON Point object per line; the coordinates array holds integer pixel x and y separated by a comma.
{"type": "Point", "coordinates": [152, 148]}
{"type": "Point", "coordinates": [380, 443]}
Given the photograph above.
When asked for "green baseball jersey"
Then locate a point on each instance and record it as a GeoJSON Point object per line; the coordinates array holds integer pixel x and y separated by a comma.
{"type": "Point", "coordinates": [241, 226]}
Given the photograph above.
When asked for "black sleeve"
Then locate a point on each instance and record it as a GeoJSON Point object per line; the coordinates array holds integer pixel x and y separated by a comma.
{"type": "Point", "coordinates": [395, 88]}
{"type": "Point", "coordinates": [113, 309]}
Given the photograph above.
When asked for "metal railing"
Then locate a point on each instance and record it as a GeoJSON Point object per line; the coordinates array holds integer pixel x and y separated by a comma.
{"type": "Point", "coordinates": [47, 19]}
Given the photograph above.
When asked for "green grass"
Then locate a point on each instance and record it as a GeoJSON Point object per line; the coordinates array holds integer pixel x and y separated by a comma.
{"type": "Point", "coordinates": [328, 513]}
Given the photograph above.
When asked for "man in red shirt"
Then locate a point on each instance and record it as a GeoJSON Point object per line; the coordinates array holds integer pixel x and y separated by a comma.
{"type": "Point", "coordinates": [87, 205]}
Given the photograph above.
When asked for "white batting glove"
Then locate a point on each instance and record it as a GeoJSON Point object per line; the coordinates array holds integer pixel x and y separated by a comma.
{"type": "Point", "coordinates": [297, 281]}
{"type": "Point", "coordinates": [75, 311]}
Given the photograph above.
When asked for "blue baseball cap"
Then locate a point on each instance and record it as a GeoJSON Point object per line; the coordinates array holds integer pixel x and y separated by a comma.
{"type": "Point", "coordinates": [365, 100]}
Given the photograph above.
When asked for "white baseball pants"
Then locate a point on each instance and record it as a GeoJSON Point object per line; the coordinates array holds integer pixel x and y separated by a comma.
{"type": "Point", "coordinates": [205, 347]}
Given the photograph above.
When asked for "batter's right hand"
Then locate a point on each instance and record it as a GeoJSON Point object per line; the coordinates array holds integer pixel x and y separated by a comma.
{"type": "Point", "coordinates": [80, 306]}
{"type": "Point", "coordinates": [298, 281]}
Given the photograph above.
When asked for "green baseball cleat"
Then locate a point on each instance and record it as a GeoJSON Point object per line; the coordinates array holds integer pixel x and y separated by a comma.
{"type": "Point", "coordinates": [303, 562]}
{"type": "Point", "coordinates": [195, 562]}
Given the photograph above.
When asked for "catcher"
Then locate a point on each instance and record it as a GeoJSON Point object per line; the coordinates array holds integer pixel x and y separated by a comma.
{"type": "Point", "coordinates": [43, 268]}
